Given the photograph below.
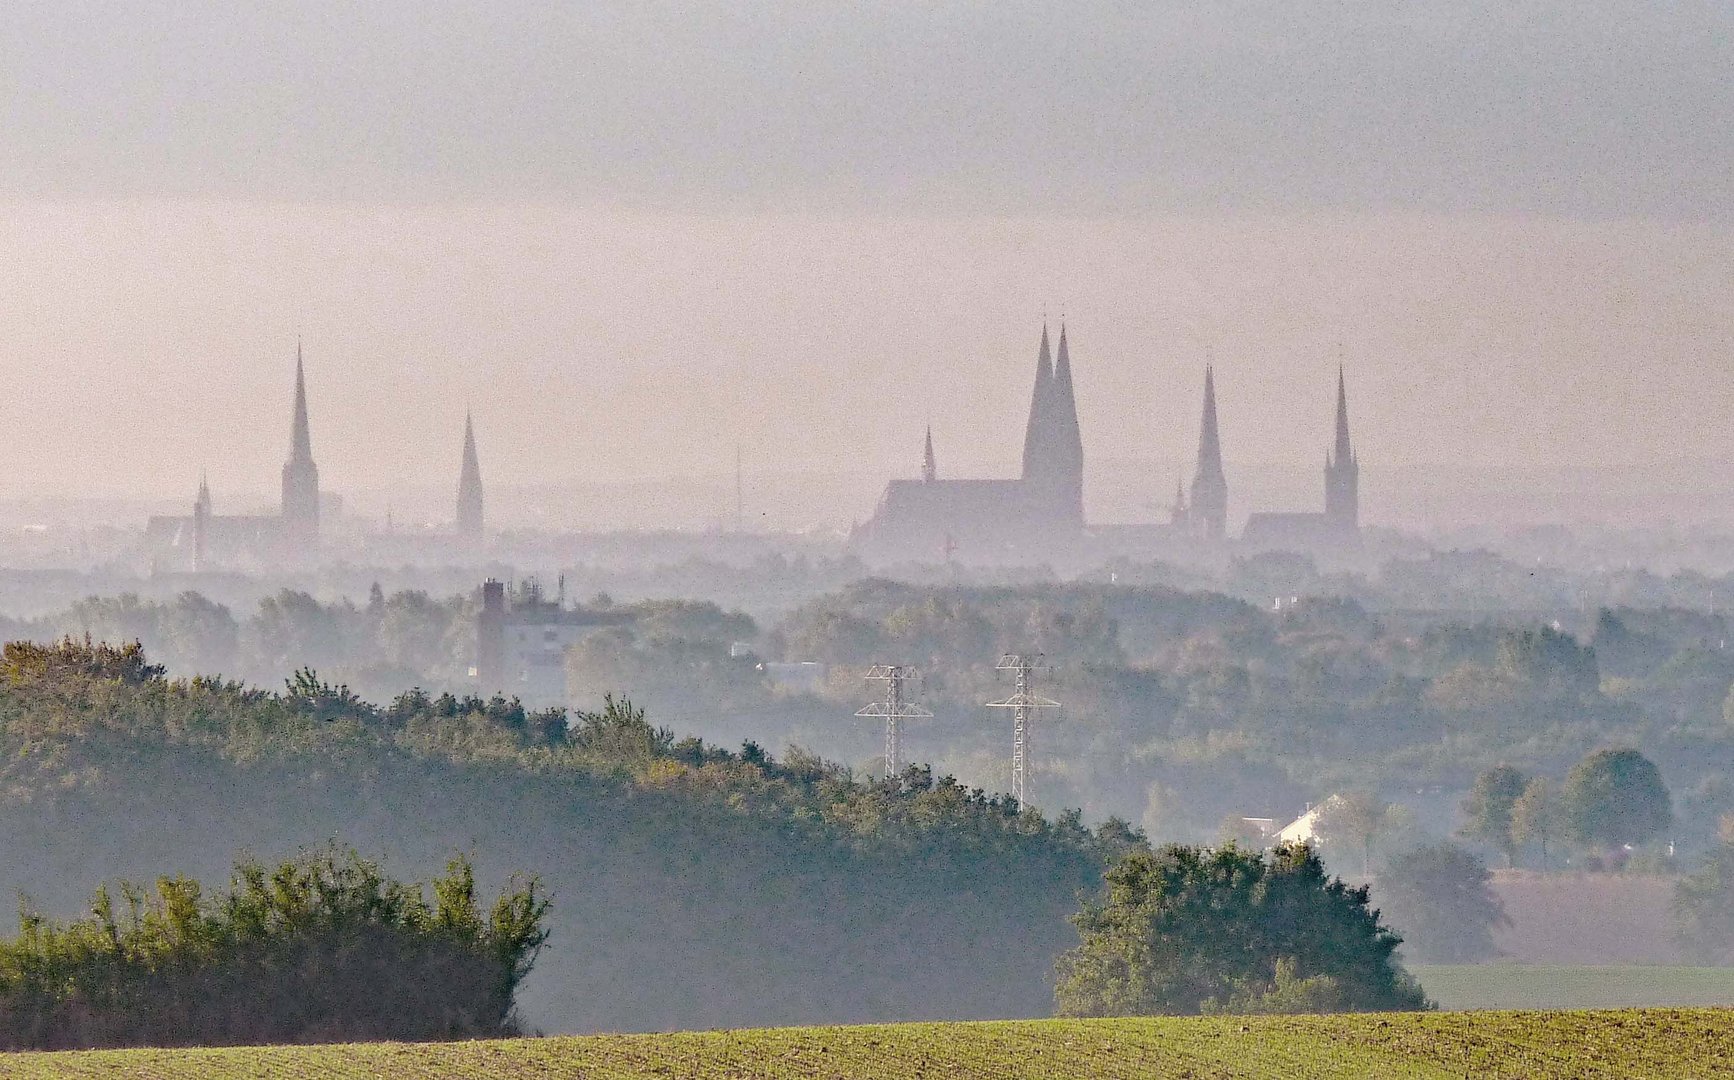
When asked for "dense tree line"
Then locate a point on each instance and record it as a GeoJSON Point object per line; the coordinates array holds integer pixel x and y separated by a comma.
{"type": "Point", "coordinates": [1183, 707]}
{"type": "Point", "coordinates": [693, 885]}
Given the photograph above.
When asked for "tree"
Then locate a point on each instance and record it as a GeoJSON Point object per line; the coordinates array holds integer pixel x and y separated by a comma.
{"type": "Point", "coordinates": [322, 947]}
{"type": "Point", "coordinates": [1489, 805]}
{"type": "Point", "coordinates": [1187, 929]}
{"type": "Point", "coordinates": [1356, 819]}
{"type": "Point", "coordinates": [1437, 896]}
{"type": "Point", "coordinates": [1704, 902]}
{"type": "Point", "coordinates": [1614, 798]}
{"type": "Point", "coordinates": [1535, 817]}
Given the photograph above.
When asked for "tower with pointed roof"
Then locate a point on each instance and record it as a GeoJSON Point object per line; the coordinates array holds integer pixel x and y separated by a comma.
{"type": "Point", "coordinates": [1038, 438]}
{"type": "Point", "coordinates": [1343, 470]}
{"type": "Point", "coordinates": [1068, 441]}
{"type": "Point", "coordinates": [469, 511]}
{"type": "Point", "coordinates": [929, 467]}
{"type": "Point", "coordinates": [202, 526]}
{"type": "Point", "coordinates": [1208, 515]}
{"type": "Point", "coordinates": [300, 474]}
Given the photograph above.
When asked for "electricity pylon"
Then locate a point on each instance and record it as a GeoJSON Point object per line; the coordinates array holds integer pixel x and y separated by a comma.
{"type": "Point", "coordinates": [896, 708]}
{"type": "Point", "coordinates": [1022, 703]}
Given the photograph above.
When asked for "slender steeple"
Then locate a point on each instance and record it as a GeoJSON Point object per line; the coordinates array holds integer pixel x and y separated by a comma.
{"type": "Point", "coordinates": [1209, 514]}
{"type": "Point", "coordinates": [1037, 438]}
{"type": "Point", "coordinates": [300, 474]}
{"type": "Point", "coordinates": [929, 468]}
{"type": "Point", "coordinates": [469, 513]}
{"type": "Point", "coordinates": [1343, 469]}
{"type": "Point", "coordinates": [300, 437]}
{"type": "Point", "coordinates": [1344, 452]}
{"type": "Point", "coordinates": [1068, 445]}
{"type": "Point", "coordinates": [202, 525]}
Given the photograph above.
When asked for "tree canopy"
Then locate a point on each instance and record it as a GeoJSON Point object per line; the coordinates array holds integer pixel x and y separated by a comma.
{"type": "Point", "coordinates": [1187, 930]}
{"type": "Point", "coordinates": [323, 947]}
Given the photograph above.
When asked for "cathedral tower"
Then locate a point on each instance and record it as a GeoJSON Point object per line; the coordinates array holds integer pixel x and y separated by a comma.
{"type": "Point", "coordinates": [469, 514]}
{"type": "Point", "coordinates": [1343, 470]}
{"type": "Point", "coordinates": [300, 474]}
{"type": "Point", "coordinates": [1053, 446]}
{"type": "Point", "coordinates": [929, 467]}
{"type": "Point", "coordinates": [1208, 516]}
{"type": "Point", "coordinates": [1068, 441]}
{"type": "Point", "coordinates": [1037, 439]}
{"type": "Point", "coordinates": [202, 527]}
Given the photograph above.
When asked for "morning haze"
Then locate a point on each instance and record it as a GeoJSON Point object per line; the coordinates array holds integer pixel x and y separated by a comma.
{"type": "Point", "coordinates": [740, 229]}
{"type": "Point", "coordinates": [791, 516]}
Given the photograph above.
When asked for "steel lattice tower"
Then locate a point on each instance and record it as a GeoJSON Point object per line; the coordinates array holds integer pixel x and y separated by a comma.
{"type": "Point", "coordinates": [896, 707]}
{"type": "Point", "coordinates": [1022, 703]}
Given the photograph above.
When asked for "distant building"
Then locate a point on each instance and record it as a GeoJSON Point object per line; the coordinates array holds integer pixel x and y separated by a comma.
{"type": "Point", "coordinates": [468, 521]}
{"type": "Point", "coordinates": [1339, 525]}
{"type": "Point", "coordinates": [522, 638]}
{"type": "Point", "coordinates": [1206, 517]}
{"type": "Point", "coordinates": [206, 541]}
{"type": "Point", "coordinates": [931, 518]}
{"type": "Point", "coordinates": [300, 474]}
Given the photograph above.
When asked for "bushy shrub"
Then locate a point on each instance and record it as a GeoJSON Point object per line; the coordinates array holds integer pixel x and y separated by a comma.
{"type": "Point", "coordinates": [1186, 929]}
{"type": "Point", "coordinates": [321, 948]}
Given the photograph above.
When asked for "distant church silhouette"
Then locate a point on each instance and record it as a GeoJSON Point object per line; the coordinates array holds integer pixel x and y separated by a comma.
{"type": "Point", "coordinates": [206, 541]}
{"type": "Point", "coordinates": [1041, 513]}
{"type": "Point", "coordinates": [929, 517]}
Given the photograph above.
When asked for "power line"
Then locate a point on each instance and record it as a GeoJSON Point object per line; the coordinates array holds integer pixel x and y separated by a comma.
{"type": "Point", "coordinates": [896, 708]}
{"type": "Point", "coordinates": [1022, 703]}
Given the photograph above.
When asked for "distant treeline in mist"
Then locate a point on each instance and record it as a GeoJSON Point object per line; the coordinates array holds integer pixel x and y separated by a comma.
{"type": "Point", "coordinates": [1184, 707]}
{"type": "Point", "coordinates": [692, 886]}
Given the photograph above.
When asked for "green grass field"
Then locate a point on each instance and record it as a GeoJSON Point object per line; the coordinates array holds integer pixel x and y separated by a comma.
{"type": "Point", "coordinates": [1526, 986]}
{"type": "Point", "coordinates": [1623, 1044]}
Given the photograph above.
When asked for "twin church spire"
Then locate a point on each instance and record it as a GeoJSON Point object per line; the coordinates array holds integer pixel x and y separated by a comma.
{"type": "Point", "coordinates": [1053, 442]}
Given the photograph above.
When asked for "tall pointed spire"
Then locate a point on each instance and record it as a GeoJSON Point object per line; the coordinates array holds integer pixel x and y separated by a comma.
{"type": "Point", "coordinates": [1343, 469]}
{"type": "Point", "coordinates": [929, 468]}
{"type": "Point", "coordinates": [300, 474]}
{"type": "Point", "coordinates": [1344, 451]}
{"type": "Point", "coordinates": [1037, 437]}
{"type": "Point", "coordinates": [1209, 515]}
{"type": "Point", "coordinates": [300, 437]}
{"type": "Point", "coordinates": [1068, 445]}
{"type": "Point", "coordinates": [469, 512]}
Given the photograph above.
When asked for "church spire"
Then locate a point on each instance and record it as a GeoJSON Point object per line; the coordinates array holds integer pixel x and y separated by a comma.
{"type": "Point", "coordinates": [929, 468]}
{"type": "Point", "coordinates": [1037, 438]}
{"type": "Point", "coordinates": [469, 511]}
{"type": "Point", "coordinates": [1068, 445]}
{"type": "Point", "coordinates": [300, 474]}
{"type": "Point", "coordinates": [1344, 451]}
{"type": "Point", "coordinates": [1343, 469]}
{"type": "Point", "coordinates": [300, 438]}
{"type": "Point", "coordinates": [1209, 515]}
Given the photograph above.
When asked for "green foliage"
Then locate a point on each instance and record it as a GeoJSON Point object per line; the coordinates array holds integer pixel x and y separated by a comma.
{"type": "Point", "coordinates": [1536, 818]}
{"type": "Point", "coordinates": [678, 863]}
{"type": "Point", "coordinates": [323, 947]}
{"type": "Point", "coordinates": [1704, 903]}
{"type": "Point", "coordinates": [1615, 797]}
{"type": "Point", "coordinates": [1186, 929]}
{"type": "Point", "coordinates": [1437, 897]}
{"type": "Point", "coordinates": [1488, 809]}
{"type": "Point", "coordinates": [26, 662]}
{"type": "Point", "coordinates": [1547, 658]}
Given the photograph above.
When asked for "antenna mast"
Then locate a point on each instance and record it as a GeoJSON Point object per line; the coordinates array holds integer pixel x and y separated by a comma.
{"type": "Point", "coordinates": [896, 707]}
{"type": "Point", "coordinates": [1022, 703]}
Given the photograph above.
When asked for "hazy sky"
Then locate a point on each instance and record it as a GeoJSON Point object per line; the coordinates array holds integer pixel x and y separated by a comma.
{"type": "Point", "coordinates": [634, 236]}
